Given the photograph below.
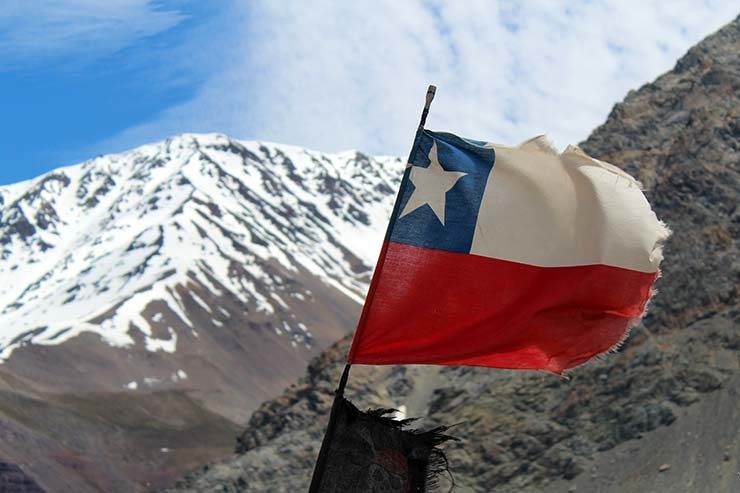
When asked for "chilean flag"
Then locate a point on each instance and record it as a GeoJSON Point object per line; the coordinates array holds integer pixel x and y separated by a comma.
{"type": "Point", "coordinates": [508, 257]}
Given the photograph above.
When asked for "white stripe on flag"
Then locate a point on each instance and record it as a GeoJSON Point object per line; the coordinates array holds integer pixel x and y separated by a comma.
{"type": "Point", "coordinates": [554, 210]}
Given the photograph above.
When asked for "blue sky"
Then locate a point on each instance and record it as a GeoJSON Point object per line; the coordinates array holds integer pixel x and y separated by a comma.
{"type": "Point", "coordinates": [69, 82]}
{"type": "Point", "coordinates": [80, 78]}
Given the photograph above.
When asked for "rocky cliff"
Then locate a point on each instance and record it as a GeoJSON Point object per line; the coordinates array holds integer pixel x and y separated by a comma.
{"type": "Point", "coordinates": [659, 415]}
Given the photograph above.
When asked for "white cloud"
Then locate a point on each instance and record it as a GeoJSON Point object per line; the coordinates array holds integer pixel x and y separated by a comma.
{"type": "Point", "coordinates": [334, 75]}
{"type": "Point", "coordinates": [35, 31]}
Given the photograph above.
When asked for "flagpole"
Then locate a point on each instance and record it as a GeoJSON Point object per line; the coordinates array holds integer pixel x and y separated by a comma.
{"type": "Point", "coordinates": [431, 91]}
{"type": "Point", "coordinates": [320, 466]}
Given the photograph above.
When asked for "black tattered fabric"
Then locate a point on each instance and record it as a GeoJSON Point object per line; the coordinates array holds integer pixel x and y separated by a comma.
{"type": "Point", "coordinates": [368, 452]}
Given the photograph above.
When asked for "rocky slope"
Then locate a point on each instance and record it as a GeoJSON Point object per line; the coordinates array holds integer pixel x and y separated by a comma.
{"type": "Point", "coordinates": [660, 415]}
{"type": "Point", "coordinates": [152, 299]}
{"type": "Point", "coordinates": [14, 480]}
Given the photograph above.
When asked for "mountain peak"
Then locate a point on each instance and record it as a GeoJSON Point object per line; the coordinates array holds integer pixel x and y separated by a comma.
{"type": "Point", "coordinates": [94, 242]}
{"type": "Point", "coordinates": [186, 280]}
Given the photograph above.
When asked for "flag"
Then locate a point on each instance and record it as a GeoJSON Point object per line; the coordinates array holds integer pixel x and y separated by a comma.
{"type": "Point", "coordinates": [372, 452]}
{"type": "Point", "coordinates": [508, 257]}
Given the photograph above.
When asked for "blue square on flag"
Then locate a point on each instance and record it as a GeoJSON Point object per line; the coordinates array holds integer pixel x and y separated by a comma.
{"type": "Point", "coordinates": [441, 193]}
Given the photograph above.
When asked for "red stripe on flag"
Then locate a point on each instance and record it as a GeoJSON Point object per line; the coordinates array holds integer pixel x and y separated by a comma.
{"type": "Point", "coordinates": [436, 307]}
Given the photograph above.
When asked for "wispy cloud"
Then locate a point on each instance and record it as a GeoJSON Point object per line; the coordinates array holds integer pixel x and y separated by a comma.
{"type": "Point", "coordinates": [334, 75]}
{"type": "Point", "coordinates": [33, 32]}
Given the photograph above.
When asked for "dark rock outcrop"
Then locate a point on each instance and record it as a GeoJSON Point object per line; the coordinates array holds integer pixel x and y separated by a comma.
{"type": "Point", "coordinates": [14, 480]}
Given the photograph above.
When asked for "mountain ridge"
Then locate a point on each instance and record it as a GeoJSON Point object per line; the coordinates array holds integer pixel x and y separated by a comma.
{"type": "Point", "coordinates": [191, 279]}
{"type": "Point", "coordinates": [31, 219]}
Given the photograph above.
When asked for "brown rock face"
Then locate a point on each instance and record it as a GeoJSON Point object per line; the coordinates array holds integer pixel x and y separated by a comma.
{"type": "Point", "coordinates": [680, 136]}
{"type": "Point", "coordinates": [669, 396]}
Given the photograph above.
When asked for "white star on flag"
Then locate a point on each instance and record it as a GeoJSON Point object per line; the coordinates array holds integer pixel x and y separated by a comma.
{"type": "Point", "coordinates": [431, 186]}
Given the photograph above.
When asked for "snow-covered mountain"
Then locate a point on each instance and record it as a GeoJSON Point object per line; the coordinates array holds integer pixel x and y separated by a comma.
{"type": "Point", "coordinates": [89, 247]}
{"type": "Point", "coordinates": [159, 295]}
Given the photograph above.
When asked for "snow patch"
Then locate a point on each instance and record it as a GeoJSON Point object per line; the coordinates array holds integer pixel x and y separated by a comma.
{"type": "Point", "coordinates": [166, 345]}
{"type": "Point", "coordinates": [200, 302]}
